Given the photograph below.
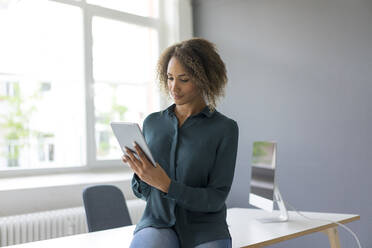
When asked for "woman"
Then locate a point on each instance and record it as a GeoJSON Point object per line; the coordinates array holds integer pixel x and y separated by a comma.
{"type": "Point", "coordinates": [195, 148]}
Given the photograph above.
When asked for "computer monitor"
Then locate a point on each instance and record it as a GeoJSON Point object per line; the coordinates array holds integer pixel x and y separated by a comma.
{"type": "Point", "coordinates": [264, 190]}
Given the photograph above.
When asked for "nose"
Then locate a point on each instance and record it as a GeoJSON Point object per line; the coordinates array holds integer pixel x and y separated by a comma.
{"type": "Point", "coordinates": [175, 86]}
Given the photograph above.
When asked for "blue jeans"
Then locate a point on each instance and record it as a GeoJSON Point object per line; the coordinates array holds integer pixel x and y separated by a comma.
{"type": "Point", "coordinates": [151, 237]}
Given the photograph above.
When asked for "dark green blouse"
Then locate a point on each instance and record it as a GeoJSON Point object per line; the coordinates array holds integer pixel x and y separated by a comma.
{"type": "Point", "coordinates": [199, 157]}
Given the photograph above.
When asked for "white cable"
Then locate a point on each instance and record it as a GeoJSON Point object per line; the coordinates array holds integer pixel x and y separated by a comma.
{"type": "Point", "coordinates": [335, 222]}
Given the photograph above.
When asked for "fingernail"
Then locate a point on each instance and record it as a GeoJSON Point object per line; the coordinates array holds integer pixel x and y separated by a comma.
{"type": "Point", "coordinates": [134, 143]}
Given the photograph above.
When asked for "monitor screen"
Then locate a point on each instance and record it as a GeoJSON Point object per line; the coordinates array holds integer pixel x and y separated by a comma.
{"type": "Point", "coordinates": [263, 175]}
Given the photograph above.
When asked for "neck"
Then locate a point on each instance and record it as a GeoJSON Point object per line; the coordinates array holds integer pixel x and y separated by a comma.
{"type": "Point", "coordinates": [188, 109]}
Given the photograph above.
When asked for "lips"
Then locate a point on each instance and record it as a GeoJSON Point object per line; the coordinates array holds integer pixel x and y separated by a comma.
{"type": "Point", "coordinates": [176, 96]}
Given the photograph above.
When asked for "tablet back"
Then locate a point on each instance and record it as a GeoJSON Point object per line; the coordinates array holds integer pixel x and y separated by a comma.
{"type": "Point", "coordinates": [128, 132]}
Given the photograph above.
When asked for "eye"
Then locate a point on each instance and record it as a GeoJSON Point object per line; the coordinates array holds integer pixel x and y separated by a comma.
{"type": "Point", "coordinates": [170, 78]}
{"type": "Point", "coordinates": [184, 80]}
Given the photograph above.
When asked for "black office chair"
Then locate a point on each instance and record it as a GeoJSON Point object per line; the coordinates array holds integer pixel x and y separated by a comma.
{"type": "Point", "coordinates": [105, 208]}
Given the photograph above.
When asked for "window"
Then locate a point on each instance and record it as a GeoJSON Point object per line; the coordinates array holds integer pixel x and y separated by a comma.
{"type": "Point", "coordinates": [41, 85]}
{"type": "Point", "coordinates": [68, 68]}
{"type": "Point", "coordinates": [124, 58]}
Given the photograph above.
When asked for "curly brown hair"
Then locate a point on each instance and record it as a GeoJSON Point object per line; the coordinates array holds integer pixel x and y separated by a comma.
{"type": "Point", "coordinates": [201, 61]}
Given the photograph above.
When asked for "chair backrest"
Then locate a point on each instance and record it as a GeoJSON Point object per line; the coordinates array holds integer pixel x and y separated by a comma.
{"type": "Point", "coordinates": [105, 208]}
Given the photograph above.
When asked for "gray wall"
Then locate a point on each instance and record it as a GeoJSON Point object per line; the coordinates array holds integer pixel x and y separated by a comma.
{"type": "Point", "coordinates": [300, 73]}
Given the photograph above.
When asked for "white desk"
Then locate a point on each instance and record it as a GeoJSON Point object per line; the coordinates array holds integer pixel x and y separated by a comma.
{"type": "Point", "coordinates": [246, 231]}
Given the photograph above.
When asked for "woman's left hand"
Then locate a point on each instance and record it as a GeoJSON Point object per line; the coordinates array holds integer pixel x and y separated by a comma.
{"type": "Point", "coordinates": [154, 176]}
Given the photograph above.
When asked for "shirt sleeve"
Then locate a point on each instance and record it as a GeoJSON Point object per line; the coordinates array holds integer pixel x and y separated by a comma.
{"type": "Point", "coordinates": [139, 187]}
{"type": "Point", "coordinates": [212, 197]}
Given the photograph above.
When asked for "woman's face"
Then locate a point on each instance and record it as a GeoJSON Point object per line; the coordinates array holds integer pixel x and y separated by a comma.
{"type": "Point", "coordinates": [181, 87]}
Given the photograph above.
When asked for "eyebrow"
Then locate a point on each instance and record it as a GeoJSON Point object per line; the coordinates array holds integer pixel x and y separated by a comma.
{"type": "Point", "coordinates": [180, 75]}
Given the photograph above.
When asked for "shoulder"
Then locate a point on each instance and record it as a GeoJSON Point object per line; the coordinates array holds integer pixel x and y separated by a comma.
{"type": "Point", "coordinates": [154, 118]}
{"type": "Point", "coordinates": [151, 117]}
{"type": "Point", "coordinates": [151, 123]}
{"type": "Point", "coordinates": [225, 124]}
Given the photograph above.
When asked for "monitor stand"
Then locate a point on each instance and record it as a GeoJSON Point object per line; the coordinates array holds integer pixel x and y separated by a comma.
{"type": "Point", "coordinates": [283, 216]}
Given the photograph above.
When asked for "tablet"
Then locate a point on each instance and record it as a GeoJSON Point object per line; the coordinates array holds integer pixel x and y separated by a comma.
{"type": "Point", "coordinates": [128, 132]}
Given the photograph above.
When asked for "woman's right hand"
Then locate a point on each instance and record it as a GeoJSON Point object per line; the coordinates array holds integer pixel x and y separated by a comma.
{"type": "Point", "coordinates": [154, 176]}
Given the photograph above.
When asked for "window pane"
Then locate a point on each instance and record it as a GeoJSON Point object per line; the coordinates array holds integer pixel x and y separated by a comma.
{"type": "Point", "coordinates": [41, 85]}
{"type": "Point", "coordinates": [123, 52]}
{"type": "Point", "coordinates": [124, 57]}
{"type": "Point", "coordinates": [148, 8]}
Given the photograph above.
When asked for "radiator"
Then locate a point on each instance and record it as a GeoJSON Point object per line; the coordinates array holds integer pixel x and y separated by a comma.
{"type": "Point", "coordinates": [19, 229]}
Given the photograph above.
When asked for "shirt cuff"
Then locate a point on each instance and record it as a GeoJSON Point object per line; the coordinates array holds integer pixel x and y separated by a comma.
{"type": "Point", "coordinates": [174, 191]}
{"type": "Point", "coordinates": [142, 186]}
